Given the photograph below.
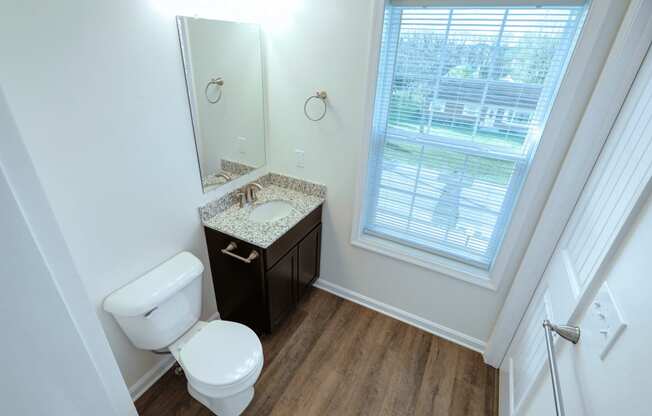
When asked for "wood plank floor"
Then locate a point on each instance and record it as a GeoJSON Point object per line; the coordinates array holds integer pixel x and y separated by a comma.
{"type": "Point", "coordinates": [334, 357]}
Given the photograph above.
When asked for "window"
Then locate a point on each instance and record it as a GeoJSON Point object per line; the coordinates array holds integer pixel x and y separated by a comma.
{"type": "Point", "coordinates": [462, 98]}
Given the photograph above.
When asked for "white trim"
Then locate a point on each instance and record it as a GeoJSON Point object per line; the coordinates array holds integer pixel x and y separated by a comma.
{"type": "Point", "coordinates": [372, 70]}
{"type": "Point", "coordinates": [426, 260]}
{"type": "Point", "coordinates": [148, 379]}
{"type": "Point", "coordinates": [358, 238]}
{"type": "Point", "coordinates": [441, 331]}
{"type": "Point", "coordinates": [397, 251]}
{"type": "Point", "coordinates": [633, 39]}
{"type": "Point", "coordinates": [482, 3]}
{"type": "Point", "coordinates": [193, 102]}
{"type": "Point", "coordinates": [575, 90]}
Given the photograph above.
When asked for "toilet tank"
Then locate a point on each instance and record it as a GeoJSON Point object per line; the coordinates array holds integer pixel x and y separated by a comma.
{"type": "Point", "coordinates": [160, 306]}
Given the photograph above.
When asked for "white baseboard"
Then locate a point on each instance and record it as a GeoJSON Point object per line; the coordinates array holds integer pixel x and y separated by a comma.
{"type": "Point", "coordinates": [150, 377]}
{"type": "Point", "coordinates": [403, 316]}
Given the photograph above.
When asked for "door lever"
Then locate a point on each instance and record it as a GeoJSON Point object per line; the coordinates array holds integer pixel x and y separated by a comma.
{"type": "Point", "coordinates": [568, 332]}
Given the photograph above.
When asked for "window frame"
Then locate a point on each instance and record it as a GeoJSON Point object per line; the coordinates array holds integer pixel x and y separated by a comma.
{"type": "Point", "coordinates": [520, 170]}
{"type": "Point", "coordinates": [530, 200]}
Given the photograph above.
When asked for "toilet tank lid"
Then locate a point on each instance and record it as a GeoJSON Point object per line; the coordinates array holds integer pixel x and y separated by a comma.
{"type": "Point", "coordinates": [154, 287]}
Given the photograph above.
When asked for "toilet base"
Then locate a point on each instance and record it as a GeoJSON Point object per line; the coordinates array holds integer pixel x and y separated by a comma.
{"type": "Point", "coordinates": [224, 406]}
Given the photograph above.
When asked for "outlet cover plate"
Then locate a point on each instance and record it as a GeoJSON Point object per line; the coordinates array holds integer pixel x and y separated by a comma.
{"type": "Point", "coordinates": [300, 157]}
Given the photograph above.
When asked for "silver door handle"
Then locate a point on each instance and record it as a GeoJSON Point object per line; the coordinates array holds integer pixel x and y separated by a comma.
{"type": "Point", "coordinates": [232, 246]}
{"type": "Point", "coordinates": [569, 333]}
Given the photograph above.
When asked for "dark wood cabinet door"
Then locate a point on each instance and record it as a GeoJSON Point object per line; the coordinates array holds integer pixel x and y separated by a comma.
{"type": "Point", "coordinates": [309, 250]}
{"type": "Point", "coordinates": [238, 285]}
{"type": "Point", "coordinates": [281, 287]}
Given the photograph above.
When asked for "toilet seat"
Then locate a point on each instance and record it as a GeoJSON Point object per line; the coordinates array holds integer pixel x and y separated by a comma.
{"type": "Point", "coordinates": [222, 358]}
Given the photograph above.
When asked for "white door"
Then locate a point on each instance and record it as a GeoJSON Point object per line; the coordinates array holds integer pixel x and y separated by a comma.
{"type": "Point", "coordinates": [600, 279]}
{"type": "Point", "coordinates": [54, 357]}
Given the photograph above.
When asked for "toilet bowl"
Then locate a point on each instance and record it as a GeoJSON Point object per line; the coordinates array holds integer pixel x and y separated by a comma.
{"type": "Point", "coordinates": [160, 310]}
{"type": "Point", "coordinates": [221, 360]}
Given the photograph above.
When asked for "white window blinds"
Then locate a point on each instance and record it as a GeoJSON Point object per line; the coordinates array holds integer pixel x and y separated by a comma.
{"type": "Point", "coordinates": [461, 102]}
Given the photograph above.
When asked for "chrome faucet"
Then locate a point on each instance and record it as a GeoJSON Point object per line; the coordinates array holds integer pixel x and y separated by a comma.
{"type": "Point", "coordinates": [224, 175]}
{"type": "Point", "coordinates": [251, 191]}
{"type": "Point", "coordinates": [249, 196]}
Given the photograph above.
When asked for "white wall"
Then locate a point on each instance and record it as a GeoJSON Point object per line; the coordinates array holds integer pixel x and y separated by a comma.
{"type": "Point", "coordinates": [98, 95]}
{"type": "Point", "coordinates": [232, 51]}
{"type": "Point", "coordinates": [55, 358]}
{"type": "Point", "coordinates": [620, 383]}
{"type": "Point", "coordinates": [327, 47]}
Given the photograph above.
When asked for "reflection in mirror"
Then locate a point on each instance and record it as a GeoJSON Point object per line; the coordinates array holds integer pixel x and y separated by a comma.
{"type": "Point", "coordinates": [223, 67]}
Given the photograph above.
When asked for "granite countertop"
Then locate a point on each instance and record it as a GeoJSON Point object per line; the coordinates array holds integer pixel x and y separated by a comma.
{"type": "Point", "coordinates": [226, 216]}
{"type": "Point", "coordinates": [214, 180]}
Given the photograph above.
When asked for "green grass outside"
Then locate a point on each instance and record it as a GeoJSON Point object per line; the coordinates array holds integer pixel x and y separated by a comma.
{"type": "Point", "coordinates": [402, 108]}
{"type": "Point", "coordinates": [449, 162]}
{"type": "Point", "coordinates": [508, 142]}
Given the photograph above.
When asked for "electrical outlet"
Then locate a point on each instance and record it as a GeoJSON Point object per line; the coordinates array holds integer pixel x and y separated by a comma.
{"type": "Point", "coordinates": [300, 156]}
{"type": "Point", "coordinates": [241, 145]}
{"type": "Point", "coordinates": [609, 321]}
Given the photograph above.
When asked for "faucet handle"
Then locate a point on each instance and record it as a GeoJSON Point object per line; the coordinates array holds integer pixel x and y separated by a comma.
{"type": "Point", "coordinates": [252, 190]}
{"type": "Point", "coordinates": [242, 199]}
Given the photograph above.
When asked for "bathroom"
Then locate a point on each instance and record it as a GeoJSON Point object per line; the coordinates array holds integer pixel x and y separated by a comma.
{"type": "Point", "coordinates": [103, 180]}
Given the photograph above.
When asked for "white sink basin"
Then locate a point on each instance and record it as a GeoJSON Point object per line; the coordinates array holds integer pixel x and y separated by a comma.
{"type": "Point", "coordinates": [271, 211]}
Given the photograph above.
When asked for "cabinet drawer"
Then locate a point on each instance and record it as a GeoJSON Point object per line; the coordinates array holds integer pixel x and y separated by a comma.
{"type": "Point", "coordinates": [290, 239]}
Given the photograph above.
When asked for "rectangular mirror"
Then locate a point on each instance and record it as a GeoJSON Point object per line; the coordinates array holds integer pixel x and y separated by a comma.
{"type": "Point", "coordinates": [224, 78]}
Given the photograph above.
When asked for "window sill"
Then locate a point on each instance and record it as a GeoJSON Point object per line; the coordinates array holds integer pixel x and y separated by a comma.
{"type": "Point", "coordinates": [447, 267]}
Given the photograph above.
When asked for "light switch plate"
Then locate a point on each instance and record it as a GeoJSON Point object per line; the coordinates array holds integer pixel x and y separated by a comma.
{"type": "Point", "coordinates": [300, 156]}
{"type": "Point", "coordinates": [609, 319]}
{"type": "Point", "coordinates": [241, 145]}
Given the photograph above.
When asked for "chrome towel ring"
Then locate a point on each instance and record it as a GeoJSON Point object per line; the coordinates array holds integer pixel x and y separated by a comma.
{"type": "Point", "coordinates": [218, 82]}
{"type": "Point", "coordinates": [320, 95]}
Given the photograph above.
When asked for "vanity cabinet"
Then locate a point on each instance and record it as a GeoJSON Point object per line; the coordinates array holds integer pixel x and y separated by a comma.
{"type": "Point", "coordinates": [262, 292]}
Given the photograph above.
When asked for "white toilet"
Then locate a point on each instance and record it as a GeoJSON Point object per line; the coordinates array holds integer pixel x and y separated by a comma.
{"type": "Point", "coordinates": [160, 310]}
